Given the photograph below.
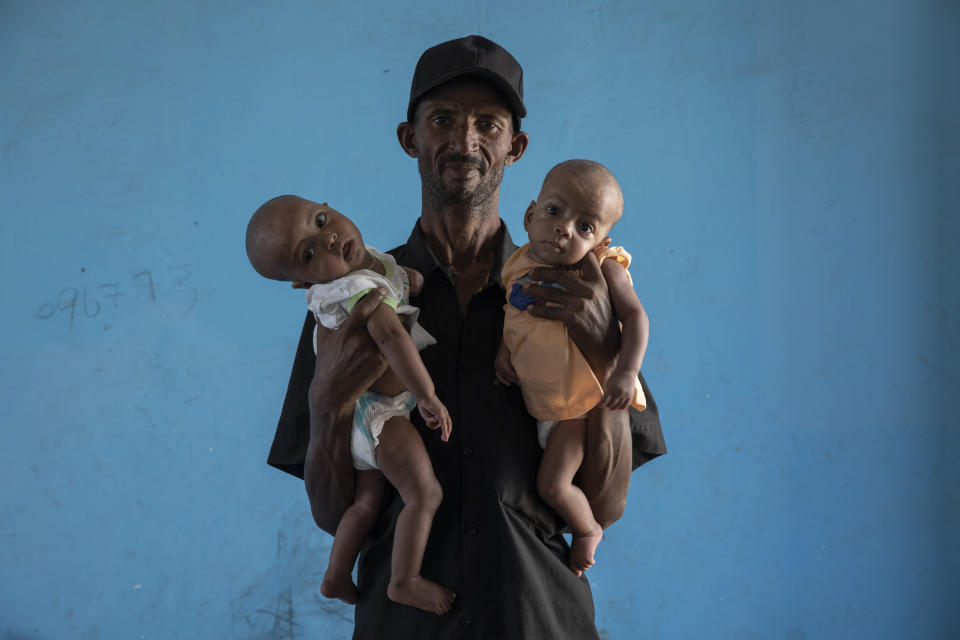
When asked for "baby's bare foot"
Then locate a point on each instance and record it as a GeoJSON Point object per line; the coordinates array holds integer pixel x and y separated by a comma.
{"type": "Point", "coordinates": [340, 587]}
{"type": "Point", "coordinates": [421, 593]}
{"type": "Point", "coordinates": [581, 550]}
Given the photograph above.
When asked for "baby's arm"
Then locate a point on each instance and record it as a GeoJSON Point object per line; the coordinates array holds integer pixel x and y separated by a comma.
{"type": "Point", "coordinates": [416, 281]}
{"type": "Point", "coordinates": [402, 356]}
{"type": "Point", "coordinates": [635, 331]}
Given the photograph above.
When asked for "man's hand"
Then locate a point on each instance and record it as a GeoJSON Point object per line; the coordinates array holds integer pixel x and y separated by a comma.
{"type": "Point", "coordinates": [348, 360]}
{"type": "Point", "coordinates": [506, 374]}
{"type": "Point", "coordinates": [347, 364]}
{"type": "Point", "coordinates": [435, 414]}
{"type": "Point", "coordinates": [584, 307]}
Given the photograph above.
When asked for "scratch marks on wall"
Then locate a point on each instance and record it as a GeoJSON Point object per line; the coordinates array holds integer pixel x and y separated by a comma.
{"type": "Point", "coordinates": [285, 602]}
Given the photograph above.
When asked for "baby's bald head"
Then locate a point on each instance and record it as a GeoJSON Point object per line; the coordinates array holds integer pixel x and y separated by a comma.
{"type": "Point", "coordinates": [597, 176]}
{"type": "Point", "coordinates": [268, 236]}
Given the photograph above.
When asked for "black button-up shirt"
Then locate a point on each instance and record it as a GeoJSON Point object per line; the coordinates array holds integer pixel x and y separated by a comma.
{"type": "Point", "coordinates": [493, 541]}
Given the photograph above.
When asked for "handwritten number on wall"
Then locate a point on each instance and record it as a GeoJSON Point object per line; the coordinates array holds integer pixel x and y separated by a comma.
{"type": "Point", "coordinates": [90, 301]}
{"type": "Point", "coordinates": [180, 273]}
{"type": "Point", "coordinates": [145, 279]}
{"type": "Point", "coordinates": [111, 291]}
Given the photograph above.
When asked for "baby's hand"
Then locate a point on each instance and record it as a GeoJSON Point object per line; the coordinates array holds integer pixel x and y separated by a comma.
{"type": "Point", "coordinates": [504, 368]}
{"type": "Point", "coordinates": [618, 391]}
{"type": "Point", "coordinates": [435, 415]}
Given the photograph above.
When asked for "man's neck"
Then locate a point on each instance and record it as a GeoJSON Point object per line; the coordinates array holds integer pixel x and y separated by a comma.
{"type": "Point", "coordinates": [465, 241]}
{"type": "Point", "coordinates": [462, 236]}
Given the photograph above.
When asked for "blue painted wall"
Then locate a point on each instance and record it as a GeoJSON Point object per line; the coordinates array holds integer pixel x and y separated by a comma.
{"type": "Point", "coordinates": [790, 171]}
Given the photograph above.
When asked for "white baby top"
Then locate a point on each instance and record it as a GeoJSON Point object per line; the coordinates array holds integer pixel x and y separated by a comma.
{"type": "Point", "coordinates": [331, 302]}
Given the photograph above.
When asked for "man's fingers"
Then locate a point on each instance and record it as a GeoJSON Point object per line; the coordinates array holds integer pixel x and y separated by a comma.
{"type": "Point", "coordinates": [573, 285]}
{"type": "Point", "coordinates": [364, 307]}
{"type": "Point", "coordinates": [559, 314]}
{"type": "Point", "coordinates": [590, 268]}
{"type": "Point", "coordinates": [552, 295]}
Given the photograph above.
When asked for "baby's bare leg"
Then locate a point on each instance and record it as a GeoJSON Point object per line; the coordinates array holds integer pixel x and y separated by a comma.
{"type": "Point", "coordinates": [354, 526]}
{"type": "Point", "coordinates": [406, 465]}
{"type": "Point", "coordinates": [561, 459]}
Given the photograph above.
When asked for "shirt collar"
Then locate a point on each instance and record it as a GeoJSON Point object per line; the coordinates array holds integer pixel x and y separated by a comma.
{"type": "Point", "coordinates": [420, 257]}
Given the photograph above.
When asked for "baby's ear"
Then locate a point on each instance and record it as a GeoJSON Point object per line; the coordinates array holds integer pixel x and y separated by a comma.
{"type": "Point", "coordinates": [528, 215]}
{"type": "Point", "coordinates": [300, 284]}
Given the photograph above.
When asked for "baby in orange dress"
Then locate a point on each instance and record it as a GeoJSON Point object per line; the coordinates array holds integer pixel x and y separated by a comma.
{"type": "Point", "coordinates": [578, 205]}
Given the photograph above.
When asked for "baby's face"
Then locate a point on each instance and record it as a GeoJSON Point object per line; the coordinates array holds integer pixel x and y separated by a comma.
{"type": "Point", "coordinates": [316, 243]}
{"type": "Point", "coordinates": [573, 214]}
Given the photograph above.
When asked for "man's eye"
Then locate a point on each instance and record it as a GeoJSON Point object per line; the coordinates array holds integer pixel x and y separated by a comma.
{"type": "Point", "coordinates": [308, 253]}
{"type": "Point", "coordinates": [441, 121]}
{"type": "Point", "coordinates": [585, 227]}
{"type": "Point", "coordinates": [321, 219]}
{"type": "Point", "coordinates": [486, 125]}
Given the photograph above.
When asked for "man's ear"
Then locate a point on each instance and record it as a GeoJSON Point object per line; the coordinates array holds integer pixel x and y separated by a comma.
{"type": "Point", "coordinates": [300, 284]}
{"type": "Point", "coordinates": [528, 215]}
{"type": "Point", "coordinates": [407, 138]}
{"type": "Point", "coordinates": [518, 145]}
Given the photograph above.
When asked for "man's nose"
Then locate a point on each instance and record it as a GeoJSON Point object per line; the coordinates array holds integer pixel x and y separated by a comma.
{"type": "Point", "coordinates": [465, 139]}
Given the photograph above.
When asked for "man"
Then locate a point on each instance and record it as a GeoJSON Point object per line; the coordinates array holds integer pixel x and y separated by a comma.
{"type": "Point", "coordinates": [493, 542]}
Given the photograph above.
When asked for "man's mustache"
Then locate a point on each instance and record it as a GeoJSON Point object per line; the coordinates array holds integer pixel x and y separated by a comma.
{"type": "Point", "coordinates": [464, 160]}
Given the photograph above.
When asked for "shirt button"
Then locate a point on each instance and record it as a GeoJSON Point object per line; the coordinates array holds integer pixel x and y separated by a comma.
{"type": "Point", "coordinates": [466, 369]}
{"type": "Point", "coordinates": [472, 528]}
{"type": "Point", "coordinates": [467, 451]}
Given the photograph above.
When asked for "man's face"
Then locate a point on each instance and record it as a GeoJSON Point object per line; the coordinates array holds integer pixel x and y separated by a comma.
{"type": "Point", "coordinates": [463, 136]}
{"type": "Point", "coordinates": [573, 214]}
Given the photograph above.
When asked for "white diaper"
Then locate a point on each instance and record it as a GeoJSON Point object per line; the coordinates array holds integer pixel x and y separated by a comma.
{"type": "Point", "coordinates": [545, 428]}
{"type": "Point", "coordinates": [371, 411]}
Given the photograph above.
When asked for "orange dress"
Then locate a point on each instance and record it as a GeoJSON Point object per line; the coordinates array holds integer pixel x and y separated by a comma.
{"type": "Point", "coordinates": [556, 381]}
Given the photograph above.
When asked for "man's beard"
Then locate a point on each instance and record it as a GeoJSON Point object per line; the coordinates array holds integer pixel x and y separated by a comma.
{"type": "Point", "coordinates": [460, 196]}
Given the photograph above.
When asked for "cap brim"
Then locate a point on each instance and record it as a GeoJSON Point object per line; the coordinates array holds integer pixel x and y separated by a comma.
{"type": "Point", "coordinates": [515, 103]}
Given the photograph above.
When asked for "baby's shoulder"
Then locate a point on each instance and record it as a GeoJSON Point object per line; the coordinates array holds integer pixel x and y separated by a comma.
{"type": "Point", "coordinates": [617, 254]}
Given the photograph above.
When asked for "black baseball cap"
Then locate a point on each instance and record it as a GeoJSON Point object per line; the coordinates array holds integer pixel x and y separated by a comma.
{"type": "Point", "coordinates": [472, 55]}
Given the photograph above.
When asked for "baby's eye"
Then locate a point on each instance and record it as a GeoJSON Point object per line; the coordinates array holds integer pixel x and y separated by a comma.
{"type": "Point", "coordinates": [321, 219]}
{"type": "Point", "coordinates": [552, 210]}
{"type": "Point", "coordinates": [585, 227]}
{"type": "Point", "coordinates": [308, 252]}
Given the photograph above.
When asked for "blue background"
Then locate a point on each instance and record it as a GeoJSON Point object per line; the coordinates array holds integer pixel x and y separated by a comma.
{"type": "Point", "coordinates": [790, 173]}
